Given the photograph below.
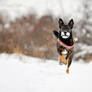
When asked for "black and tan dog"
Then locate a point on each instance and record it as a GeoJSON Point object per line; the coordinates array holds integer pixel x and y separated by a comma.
{"type": "Point", "coordinates": [65, 42]}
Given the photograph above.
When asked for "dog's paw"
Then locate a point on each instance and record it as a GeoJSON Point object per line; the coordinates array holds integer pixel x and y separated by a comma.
{"type": "Point", "coordinates": [67, 71]}
{"type": "Point", "coordinates": [61, 63]}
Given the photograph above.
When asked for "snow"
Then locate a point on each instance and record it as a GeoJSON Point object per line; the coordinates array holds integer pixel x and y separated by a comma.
{"type": "Point", "coordinates": [84, 49]}
{"type": "Point", "coordinates": [18, 8]}
{"type": "Point", "coordinates": [28, 74]}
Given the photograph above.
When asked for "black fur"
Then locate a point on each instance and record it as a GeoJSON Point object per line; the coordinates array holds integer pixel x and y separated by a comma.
{"type": "Point", "coordinates": [68, 41]}
{"type": "Point", "coordinates": [68, 28]}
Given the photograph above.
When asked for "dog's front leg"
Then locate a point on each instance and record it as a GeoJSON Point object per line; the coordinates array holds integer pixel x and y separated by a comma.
{"type": "Point", "coordinates": [69, 61]}
{"type": "Point", "coordinates": [62, 59]}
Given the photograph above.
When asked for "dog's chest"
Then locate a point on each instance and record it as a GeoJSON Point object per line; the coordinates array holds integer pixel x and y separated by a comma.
{"type": "Point", "coordinates": [64, 52]}
{"type": "Point", "coordinates": [61, 49]}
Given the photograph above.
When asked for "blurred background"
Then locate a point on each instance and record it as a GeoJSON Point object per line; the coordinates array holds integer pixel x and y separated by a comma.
{"type": "Point", "coordinates": [26, 27]}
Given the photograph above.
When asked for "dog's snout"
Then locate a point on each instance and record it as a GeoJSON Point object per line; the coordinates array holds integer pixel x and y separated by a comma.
{"type": "Point", "coordinates": [65, 33]}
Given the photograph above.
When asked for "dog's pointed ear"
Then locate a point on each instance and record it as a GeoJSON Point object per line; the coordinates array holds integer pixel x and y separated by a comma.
{"type": "Point", "coordinates": [56, 33]}
{"type": "Point", "coordinates": [71, 23]}
{"type": "Point", "coordinates": [60, 22]}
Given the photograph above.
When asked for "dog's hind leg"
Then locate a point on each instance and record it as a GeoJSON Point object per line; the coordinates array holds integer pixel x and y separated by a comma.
{"type": "Point", "coordinates": [60, 61]}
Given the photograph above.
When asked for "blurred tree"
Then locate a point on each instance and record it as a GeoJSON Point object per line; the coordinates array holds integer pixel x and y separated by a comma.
{"type": "Point", "coordinates": [84, 32]}
{"type": "Point", "coordinates": [85, 24]}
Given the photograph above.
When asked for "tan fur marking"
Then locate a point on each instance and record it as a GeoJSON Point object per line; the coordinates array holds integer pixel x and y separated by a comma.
{"type": "Point", "coordinates": [67, 70]}
{"type": "Point", "coordinates": [62, 59]}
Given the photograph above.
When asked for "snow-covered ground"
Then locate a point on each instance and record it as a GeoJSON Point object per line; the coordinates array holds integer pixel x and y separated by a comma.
{"type": "Point", "coordinates": [17, 8]}
{"type": "Point", "coordinates": [28, 74]}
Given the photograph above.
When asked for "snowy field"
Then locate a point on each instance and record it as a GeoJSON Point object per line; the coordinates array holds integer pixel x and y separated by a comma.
{"type": "Point", "coordinates": [29, 74]}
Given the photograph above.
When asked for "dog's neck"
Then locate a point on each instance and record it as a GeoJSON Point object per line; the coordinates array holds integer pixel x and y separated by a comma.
{"type": "Point", "coordinates": [68, 41]}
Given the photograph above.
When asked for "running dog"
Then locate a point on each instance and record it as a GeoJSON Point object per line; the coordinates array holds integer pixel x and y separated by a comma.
{"type": "Point", "coordinates": [65, 42]}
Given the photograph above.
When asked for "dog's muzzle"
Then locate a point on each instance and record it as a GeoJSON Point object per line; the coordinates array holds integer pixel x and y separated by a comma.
{"type": "Point", "coordinates": [65, 35]}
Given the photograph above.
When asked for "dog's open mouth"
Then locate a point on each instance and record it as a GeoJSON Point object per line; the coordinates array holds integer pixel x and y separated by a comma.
{"type": "Point", "coordinates": [65, 35]}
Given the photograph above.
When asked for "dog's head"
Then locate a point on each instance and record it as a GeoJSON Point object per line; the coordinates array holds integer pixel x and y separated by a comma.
{"type": "Point", "coordinates": [65, 31]}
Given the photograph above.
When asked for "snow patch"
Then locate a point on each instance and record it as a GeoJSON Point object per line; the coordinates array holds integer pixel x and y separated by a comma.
{"type": "Point", "coordinates": [37, 76]}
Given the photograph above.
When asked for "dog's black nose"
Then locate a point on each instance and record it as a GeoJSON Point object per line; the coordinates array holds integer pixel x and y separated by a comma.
{"type": "Point", "coordinates": [65, 33]}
